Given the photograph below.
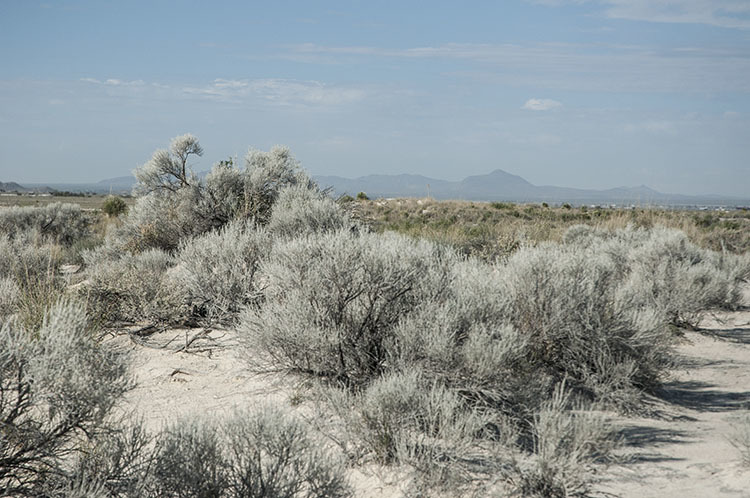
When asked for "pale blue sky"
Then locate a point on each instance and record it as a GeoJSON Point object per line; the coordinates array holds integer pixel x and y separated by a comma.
{"type": "Point", "coordinates": [592, 94]}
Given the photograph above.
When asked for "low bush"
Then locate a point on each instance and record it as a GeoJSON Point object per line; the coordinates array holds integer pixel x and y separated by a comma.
{"type": "Point", "coordinates": [564, 300]}
{"type": "Point", "coordinates": [567, 440]}
{"type": "Point", "coordinates": [113, 206]}
{"type": "Point", "coordinates": [217, 272]}
{"type": "Point", "coordinates": [132, 287]}
{"type": "Point", "coordinates": [31, 278]}
{"type": "Point", "coordinates": [334, 299]}
{"type": "Point", "coordinates": [262, 453]}
{"type": "Point", "coordinates": [57, 386]}
{"type": "Point", "coordinates": [300, 210]}
{"type": "Point", "coordinates": [56, 222]}
{"type": "Point", "coordinates": [661, 269]}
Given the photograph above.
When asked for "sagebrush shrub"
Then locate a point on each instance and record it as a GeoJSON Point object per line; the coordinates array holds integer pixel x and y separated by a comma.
{"type": "Point", "coordinates": [217, 272]}
{"type": "Point", "coordinates": [31, 274]}
{"type": "Point", "coordinates": [132, 287]}
{"type": "Point", "coordinates": [663, 270]}
{"type": "Point", "coordinates": [567, 440]}
{"type": "Point", "coordinates": [259, 453]}
{"type": "Point", "coordinates": [465, 341]}
{"type": "Point", "coordinates": [56, 222]}
{"type": "Point", "coordinates": [266, 174]}
{"type": "Point", "coordinates": [407, 418]}
{"type": "Point", "coordinates": [564, 300]}
{"type": "Point", "coordinates": [333, 300]}
{"type": "Point", "coordinates": [300, 210]}
{"type": "Point", "coordinates": [57, 386]}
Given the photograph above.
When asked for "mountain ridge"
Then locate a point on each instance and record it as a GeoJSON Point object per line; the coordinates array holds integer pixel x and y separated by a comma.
{"type": "Point", "coordinates": [497, 185]}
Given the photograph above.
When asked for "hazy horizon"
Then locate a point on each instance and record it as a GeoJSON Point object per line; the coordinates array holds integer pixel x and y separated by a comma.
{"type": "Point", "coordinates": [591, 94]}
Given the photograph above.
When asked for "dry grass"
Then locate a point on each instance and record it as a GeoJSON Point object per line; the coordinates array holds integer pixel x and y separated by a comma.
{"type": "Point", "coordinates": [87, 202]}
{"type": "Point", "coordinates": [493, 230]}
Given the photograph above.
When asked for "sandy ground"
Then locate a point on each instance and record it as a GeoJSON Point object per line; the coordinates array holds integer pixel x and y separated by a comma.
{"type": "Point", "coordinates": [683, 449]}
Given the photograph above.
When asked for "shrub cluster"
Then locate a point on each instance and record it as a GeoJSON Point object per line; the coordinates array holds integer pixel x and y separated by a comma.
{"type": "Point", "coordinates": [56, 222]}
{"type": "Point", "coordinates": [263, 453]}
{"type": "Point", "coordinates": [446, 363]}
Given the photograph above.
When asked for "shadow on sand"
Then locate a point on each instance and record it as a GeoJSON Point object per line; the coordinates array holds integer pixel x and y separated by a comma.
{"type": "Point", "coordinates": [703, 397]}
{"type": "Point", "coordinates": [643, 437]}
{"type": "Point", "coordinates": [740, 335]}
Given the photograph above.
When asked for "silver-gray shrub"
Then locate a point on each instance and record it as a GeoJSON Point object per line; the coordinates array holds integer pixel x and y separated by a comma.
{"type": "Point", "coordinates": [564, 301]}
{"type": "Point", "coordinates": [333, 300]}
{"type": "Point", "coordinates": [62, 223]}
{"type": "Point", "coordinates": [404, 417]}
{"type": "Point", "coordinates": [217, 272]}
{"type": "Point", "coordinates": [132, 287]}
{"type": "Point", "coordinates": [300, 210]}
{"type": "Point", "coordinates": [57, 386]}
{"type": "Point", "coordinates": [29, 268]}
{"type": "Point", "coordinates": [264, 453]}
{"type": "Point", "coordinates": [568, 440]}
{"type": "Point", "coordinates": [661, 269]}
{"type": "Point", "coordinates": [465, 340]}
{"type": "Point", "coordinates": [174, 204]}
{"type": "Point", "coordinates": [266, 174]}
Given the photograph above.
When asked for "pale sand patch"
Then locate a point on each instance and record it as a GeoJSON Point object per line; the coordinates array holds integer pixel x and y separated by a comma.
{"type": "Point", "coordinates": [686, 450]}
{"type": "Point", "coordinates": [214, 380]}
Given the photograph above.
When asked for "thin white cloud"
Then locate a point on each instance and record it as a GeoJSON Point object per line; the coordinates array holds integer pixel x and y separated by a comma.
{"type": "Point", "coordinates": [114, 82]}
{"type": "Point", "coordinates": [269, 91]}
{"type": "Point", "coordinates": [722, 13]}
{"type": "Point", "coordinates": [731, 115]}
{"type": "Point", "coordinates": [580, 67]}
{"type": "Point", "coordinates": [541, 105]}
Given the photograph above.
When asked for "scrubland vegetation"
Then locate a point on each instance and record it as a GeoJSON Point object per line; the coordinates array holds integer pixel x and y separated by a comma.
{"type": "Point", "coordinates": [480, 348]}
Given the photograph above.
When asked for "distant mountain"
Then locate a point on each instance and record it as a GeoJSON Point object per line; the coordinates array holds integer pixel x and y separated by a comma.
{"type": "Point", "coordinates": [118, 183]}
{"type": "Point", "coordinates": [500, 185]}
{"type": "Point", "coordinates": [12, 187]}
{"type": "Point", "coordinates": [497, 185]}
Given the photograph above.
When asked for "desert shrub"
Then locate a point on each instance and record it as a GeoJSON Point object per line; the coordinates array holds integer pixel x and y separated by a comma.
{"type": "Point", "coordinates": [56, 222]}
{"type": "Point", "coordinates": [117, 462]}
{"type": "Point", "coordinates": [564, 300]}
{"type": "Point", "coordinates": [300, 210]}
{"type": "Point", "coordinates": [269, 453]}
{"type": "Point", "coordinates": [216, 272]}
{"type": "Point", "coordinates": [114, 206]}
{"type": "Point", "coordinates": [567, 440]}
{"type": "Point", "coordinates": [466, 342]}
{"type": "Point", "coordinates": [263, 453]}
{"type": "Point", "coordinates": [333, 300]}
{"type": "Point", "coordinates": [174, 204]}
{"type": "Point", "coordinates": [57, 385]}
{"type": "Point", "coordinates": [267, 173]}
{"type": "Point", "coordinates": [167, 170]}
{"type": "Point", "coordinates": [189, 462]}
{"type": "Point", "coordinates": [406, 418]}
{"type": "Point", "coordinates": [662, 269]}
{"type": "Point", "coordinates": [9, 294]}
{"type": "Point", "coordinates": [132, 287]}
{"type": "Point", "coordinates": [32, 282]}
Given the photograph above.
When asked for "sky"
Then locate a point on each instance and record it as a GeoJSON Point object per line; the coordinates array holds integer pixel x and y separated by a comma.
{"type": "Point", "coordinates": [575, 93]}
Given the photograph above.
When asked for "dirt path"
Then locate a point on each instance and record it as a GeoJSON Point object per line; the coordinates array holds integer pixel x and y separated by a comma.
{"type": "Point", "coordinates": [685, 450]}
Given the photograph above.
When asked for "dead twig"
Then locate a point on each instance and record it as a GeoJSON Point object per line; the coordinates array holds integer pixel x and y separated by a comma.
{"type": "Point", "coordinates": [188, 342]}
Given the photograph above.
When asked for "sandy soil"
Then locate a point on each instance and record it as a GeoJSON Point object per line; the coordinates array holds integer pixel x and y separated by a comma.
{"type": "Point", "coordinates": [683, 449]}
